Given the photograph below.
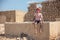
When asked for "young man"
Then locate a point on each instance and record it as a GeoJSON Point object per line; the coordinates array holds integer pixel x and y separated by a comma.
{"type": "Point", "coordinates": [38, 18]}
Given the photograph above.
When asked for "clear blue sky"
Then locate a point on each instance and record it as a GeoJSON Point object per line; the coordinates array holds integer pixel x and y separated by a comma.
{"type": "Point", "coordinates": [15, 4]}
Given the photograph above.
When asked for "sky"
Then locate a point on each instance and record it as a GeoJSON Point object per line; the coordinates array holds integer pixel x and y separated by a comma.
{"type": "Point", "coordinates": [15, 4]}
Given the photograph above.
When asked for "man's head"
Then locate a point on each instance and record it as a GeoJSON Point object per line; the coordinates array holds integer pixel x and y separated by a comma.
{"type": "Point", "coordinates": [38, 10]}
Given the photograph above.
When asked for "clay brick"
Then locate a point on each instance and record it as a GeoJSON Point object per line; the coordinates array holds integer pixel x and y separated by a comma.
{"type": "Point", "coordinates": [50, 10]}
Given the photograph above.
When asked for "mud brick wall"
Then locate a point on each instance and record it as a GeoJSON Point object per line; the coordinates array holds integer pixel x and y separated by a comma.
{"type": "Point", "coordinates": [30, 14]}
{"type": "Point", "coordinates": [19, 15]}
{"type": "Point", "coordinates": [12, 16]}
{"type": "Point", "coordinates": [51, 10]}
{"type": "Point", "coordinates": [2, 28]}
{"type": "Point", "coordinates": [7, 16]}
{"type": "Point", "coordinates": [27, 28]}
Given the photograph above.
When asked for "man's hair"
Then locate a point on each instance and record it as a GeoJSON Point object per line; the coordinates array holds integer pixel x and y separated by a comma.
{"type": "Point", "coordinates": [37, 9]}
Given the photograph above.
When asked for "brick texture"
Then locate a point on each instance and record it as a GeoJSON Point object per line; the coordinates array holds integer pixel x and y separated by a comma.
{"type": "Point", "coordinates": [51, 10]}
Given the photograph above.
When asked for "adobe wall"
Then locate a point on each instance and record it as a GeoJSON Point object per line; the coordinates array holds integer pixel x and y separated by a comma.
{"type": "Point", "coordinates": [7, 16]}
{"type": "Point", "coordinates": [30, 14]}
{"type": "Point", "coordinates": [54, 29]}
{"type": "Point", "coordinates": [28, 28]}
{"type": "Point", "coordinates": [2, 28]}
{"type": "Point", "coordinates": [19, 16]}
{"type": "Point", "coordinates": [51, 10]}
{"type": "Point", "coordinates": [12, 16]}
{"type": "Point", "coordinates": [50, 29]}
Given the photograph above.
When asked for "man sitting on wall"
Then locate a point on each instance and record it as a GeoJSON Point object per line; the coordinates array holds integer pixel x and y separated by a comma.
{"type": "Point", "coordinates": [38, 18]}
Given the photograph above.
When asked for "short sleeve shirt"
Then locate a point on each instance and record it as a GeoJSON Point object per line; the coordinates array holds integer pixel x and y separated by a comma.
{"type": "Point", "coordinates": [38, 16]}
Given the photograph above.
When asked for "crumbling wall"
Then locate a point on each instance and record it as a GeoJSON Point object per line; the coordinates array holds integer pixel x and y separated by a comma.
{"type": "Point", "coordinates": [51, 10]}
{"type": "Point", "coordinates": [7, 16]}
{"type": "Point", "coordinates": [30, 14]}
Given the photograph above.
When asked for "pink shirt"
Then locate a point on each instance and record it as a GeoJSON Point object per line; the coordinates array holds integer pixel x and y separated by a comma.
{"type": "Point", "coordinates": [38, 16]}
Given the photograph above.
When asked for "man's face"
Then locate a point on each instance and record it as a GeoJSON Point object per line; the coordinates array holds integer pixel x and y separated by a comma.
{"type": "Point", "coordinates": [38, 11]}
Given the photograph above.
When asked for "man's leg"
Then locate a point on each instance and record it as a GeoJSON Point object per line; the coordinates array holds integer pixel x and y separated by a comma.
{"type": "Point", "coordinates": [38, 28]}
{"type": "Point", "coordinates": [41, 26]}
{"type": "Point", "coordinates": [35, 28]}
{"type": "Point", "coordinates": [36, 31]}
